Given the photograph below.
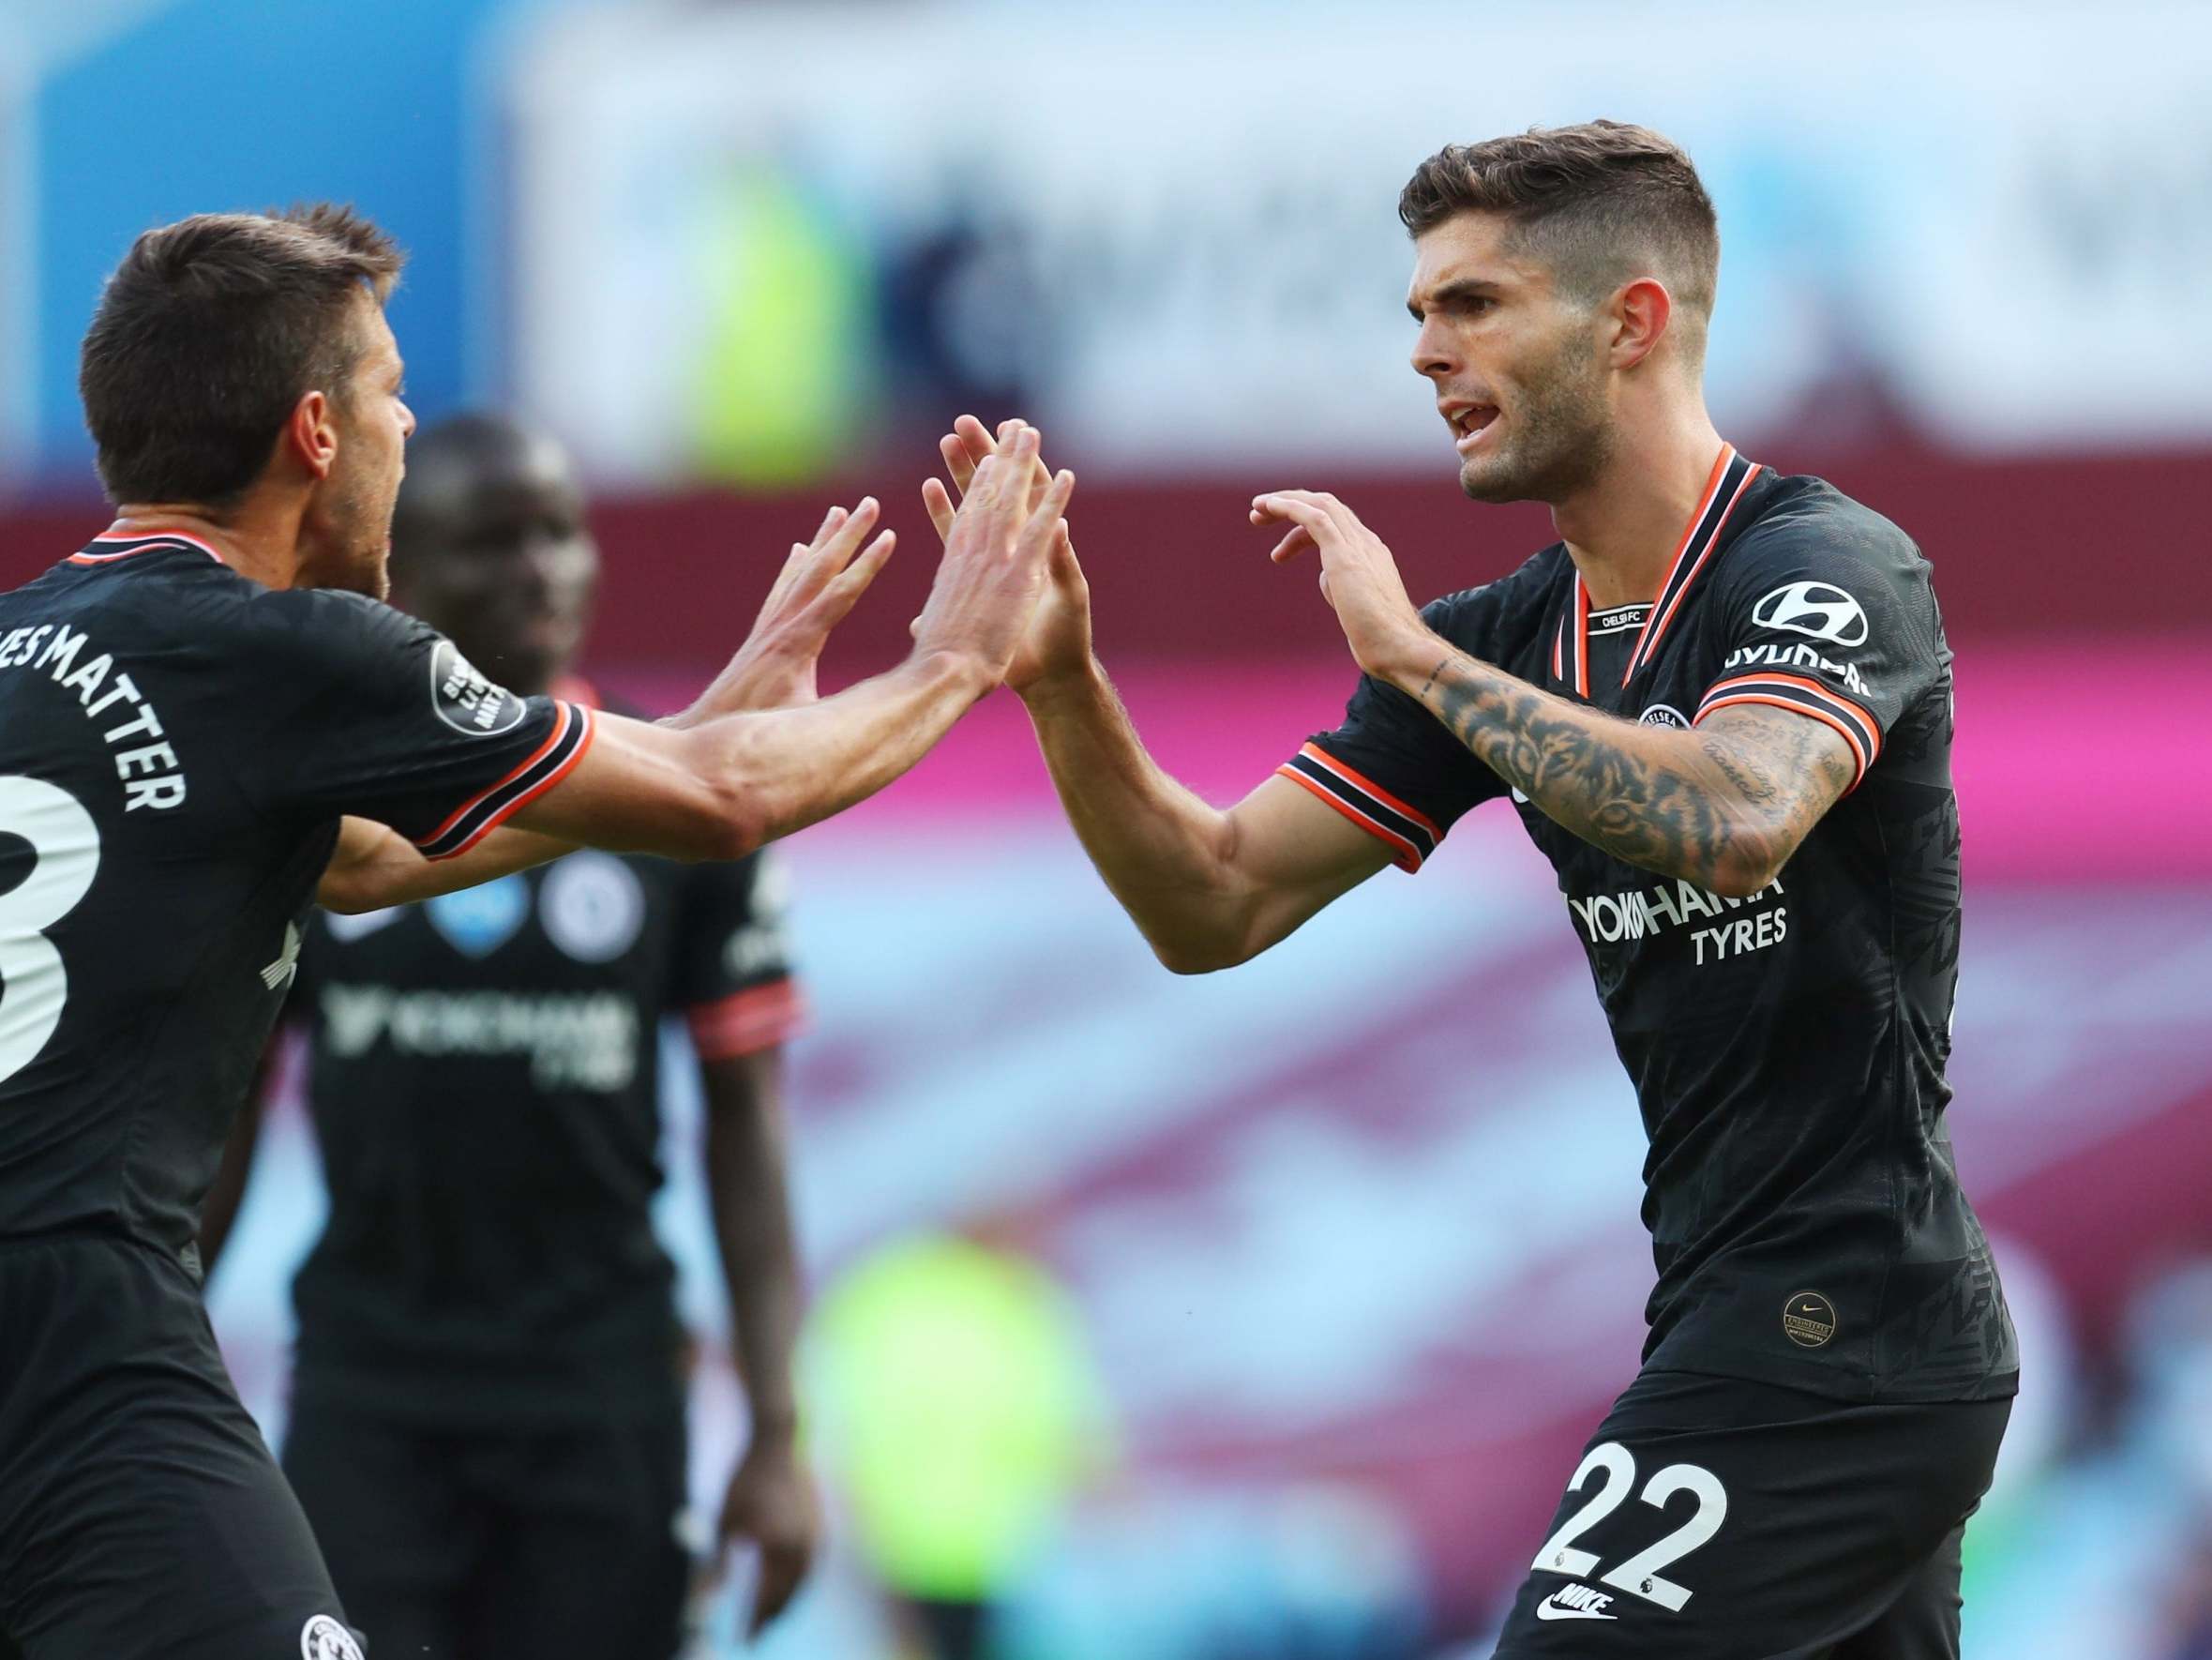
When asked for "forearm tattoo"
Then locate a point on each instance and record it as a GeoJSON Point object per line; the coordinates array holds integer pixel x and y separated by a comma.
{"type": "Point", "coordinates": [1733, 796]}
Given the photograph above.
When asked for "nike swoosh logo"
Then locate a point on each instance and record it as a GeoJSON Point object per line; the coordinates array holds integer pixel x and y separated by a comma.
{"type": "Point", "coordinates": [1546, 1609]}
{"type": "Point", "coordinates": [1810, 1308]}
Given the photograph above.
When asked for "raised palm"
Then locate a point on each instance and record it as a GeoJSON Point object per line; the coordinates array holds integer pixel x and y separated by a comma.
{"type": "Point", "coordinates": [1059, 638]}
{"type": "Point", "coordinates": [820, 580]}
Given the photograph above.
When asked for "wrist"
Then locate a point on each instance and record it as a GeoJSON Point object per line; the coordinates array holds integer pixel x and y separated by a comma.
{"type": "Point", "coordinates": [1075, 685]}
{"type": "Point", "coordinates": [954, 667]}
{"type": "Point", "coordinates": [1410, 658]}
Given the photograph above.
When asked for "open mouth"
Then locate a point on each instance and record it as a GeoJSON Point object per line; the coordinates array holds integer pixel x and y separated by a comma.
{"type": "Point", "coordinates": [1469, 422]}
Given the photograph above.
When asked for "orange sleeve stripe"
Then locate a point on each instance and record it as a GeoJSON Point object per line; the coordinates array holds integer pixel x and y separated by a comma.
{"type": "Point", "coordinates": [1320, 757]}
{"type": "Point", "coordinates": [748, 1021]}
{"type": "Point", "coordinates": [529, 796]}
{"type": "Point", "coordinates": [1406, 856]}
{"type": "Point", "coordinates": [559, 731]}
{"type": "Point", "coordinates": [1849, 706]}
{"type": "Point", "coordinates": [1858, 748]}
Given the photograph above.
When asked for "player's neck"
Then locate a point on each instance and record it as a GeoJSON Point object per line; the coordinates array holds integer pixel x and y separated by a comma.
{"type": "Point", "coordinates": [1623, 528]}
{"type": "Point", "coordinates": [252, 543]}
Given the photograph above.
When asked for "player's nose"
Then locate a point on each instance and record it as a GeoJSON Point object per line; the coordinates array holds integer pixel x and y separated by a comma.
{"type": "Point", "coordinates": [1432, 357]}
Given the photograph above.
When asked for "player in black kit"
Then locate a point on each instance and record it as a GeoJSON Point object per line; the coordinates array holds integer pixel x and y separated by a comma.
{"type": "Point", "coordinates": [1722, 705]}
{"type": "Point", "coordinates": [206, 719]}
{"type": "Point", "coordinates": [488, 1429]}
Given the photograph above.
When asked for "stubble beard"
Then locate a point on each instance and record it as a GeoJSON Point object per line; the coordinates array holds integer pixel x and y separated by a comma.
{"type": "Point", "coordinates": [1562, 441]}
{"type": "Point", "coordinates": [364, 535]}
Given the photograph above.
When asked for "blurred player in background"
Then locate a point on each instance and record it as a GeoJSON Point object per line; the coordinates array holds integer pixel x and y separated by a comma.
{"type": "Point", "coordinates": [488, 1424]}
{"type": "Point", "coordinates": [1722, 705]}
{"type": "Point", "coordinates": [958, 1408]}
{"type": "Point", "coordinates": [207, 720]}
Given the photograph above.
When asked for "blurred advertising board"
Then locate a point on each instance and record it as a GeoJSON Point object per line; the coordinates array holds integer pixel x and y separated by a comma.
{"type": "Point", "coordinates": [748, 239]}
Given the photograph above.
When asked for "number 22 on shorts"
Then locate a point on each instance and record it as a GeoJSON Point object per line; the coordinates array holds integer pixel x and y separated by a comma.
{"type": "Point", "coordinates": [1638, 1576]}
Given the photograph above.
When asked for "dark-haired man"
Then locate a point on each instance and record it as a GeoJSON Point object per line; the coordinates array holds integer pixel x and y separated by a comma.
{"type": "Point", "coordinates": [190, 708]}
{"type": "Point", "coordinates": [486, 1426]}
{"type": "Point", "coordinates": [1721, 704]}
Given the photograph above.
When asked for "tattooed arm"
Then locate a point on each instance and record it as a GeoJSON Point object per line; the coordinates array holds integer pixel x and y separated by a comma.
{"type": "Point", "coordinates": [1723, 804]}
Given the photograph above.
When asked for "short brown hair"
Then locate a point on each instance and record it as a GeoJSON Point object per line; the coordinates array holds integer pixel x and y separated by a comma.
{"type": "Point", "coordinates": [210, 331]}
{"type": "Point", "coordinates": [1605, 203]}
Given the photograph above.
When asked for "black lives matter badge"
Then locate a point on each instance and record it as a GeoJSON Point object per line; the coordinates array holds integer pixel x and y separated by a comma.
{"type": "Point", "coordinates": [1809, 1319]}
{"type": "Point", "coordinates": [466, 701]}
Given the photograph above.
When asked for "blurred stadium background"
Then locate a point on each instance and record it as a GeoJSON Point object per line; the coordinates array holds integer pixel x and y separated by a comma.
{"type": "Point", "coordinates": [1345, 1242]}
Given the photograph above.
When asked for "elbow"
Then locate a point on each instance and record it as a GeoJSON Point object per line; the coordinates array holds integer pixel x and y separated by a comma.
{"type": "Point", "coordinates": [734, 827]}
{"type": "Point", "coordinates": [1732, 884]}
{"type": "Point", "coordinates": [1741, 870]}
{"type": "Point", "coordinates": [1182, 959]}
{"type": "Point", "coordinates": [1200, 955]}
{"type": "Point", "coordinates": [727, 814]}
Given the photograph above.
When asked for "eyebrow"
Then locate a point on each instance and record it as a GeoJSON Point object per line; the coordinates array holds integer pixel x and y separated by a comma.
{"type": "Point", "coordinates": [1466, 288]}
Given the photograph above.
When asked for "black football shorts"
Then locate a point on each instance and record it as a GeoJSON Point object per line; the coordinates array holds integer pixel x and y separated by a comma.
{"type": "Point", "coordinates": [142, 1517]}
{"type": "Point", "coordinates": [1715, 1518]}
{"type": "Point", "coordinates": [448, 1542]}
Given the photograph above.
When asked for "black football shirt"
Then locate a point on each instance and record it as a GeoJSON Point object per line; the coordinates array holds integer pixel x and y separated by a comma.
{"type": "Point", "coordinates": [178, 745]}
{"type": "Point", "coordinates": [483, 1080]}
{"type": "Point", "coordinates": [1787, 1050]}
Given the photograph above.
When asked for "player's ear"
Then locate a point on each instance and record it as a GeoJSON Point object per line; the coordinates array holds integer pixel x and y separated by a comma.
{"type": "Point", "coordinates": [1641, 312]}
{"type": "Point", "coordinates": [311, 435]}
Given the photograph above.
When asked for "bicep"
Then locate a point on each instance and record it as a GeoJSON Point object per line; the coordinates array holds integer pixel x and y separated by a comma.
{"type": "Point", "coordinates": [1293, 854]}
{"type": "Point", "coordinates": [1785, 765]}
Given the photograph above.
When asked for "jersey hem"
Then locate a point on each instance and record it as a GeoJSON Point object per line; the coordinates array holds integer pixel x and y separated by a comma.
{"type": "Point", "coordinates": [1843, 1383]}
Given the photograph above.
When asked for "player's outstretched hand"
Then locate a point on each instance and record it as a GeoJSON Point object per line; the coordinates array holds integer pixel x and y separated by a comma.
{"type": "Point", "coordinates": [820, 583]}
{"type": "Point", "coordinates": [1059, 639]}
{"type": "Point", "coordinates": [997, 545]}
{"type": "Point", "coordinates": [1358, 575]}
{"type": "Point", "coordinates": [771, 1505]}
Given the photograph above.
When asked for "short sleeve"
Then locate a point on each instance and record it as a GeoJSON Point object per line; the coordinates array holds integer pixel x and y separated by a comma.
{"type": "Point", "coordinates": [375, 714]}
{"type": "Point", "coordinates": [1392, 768]}
{"type": "Point", "coordinates": [734, 977]}
{"type": "Point", "coordinates": [1829, 614]}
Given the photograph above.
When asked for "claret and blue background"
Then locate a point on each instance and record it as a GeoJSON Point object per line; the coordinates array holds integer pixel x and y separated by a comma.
{"type": "Point", "coordinates": [1347, 1240]}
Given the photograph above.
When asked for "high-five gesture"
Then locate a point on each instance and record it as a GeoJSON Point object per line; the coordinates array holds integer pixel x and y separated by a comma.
{"type": "Point", "coordinates": [1057, 643]}
{"type": "Point", "coordinates": [997, 544]}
